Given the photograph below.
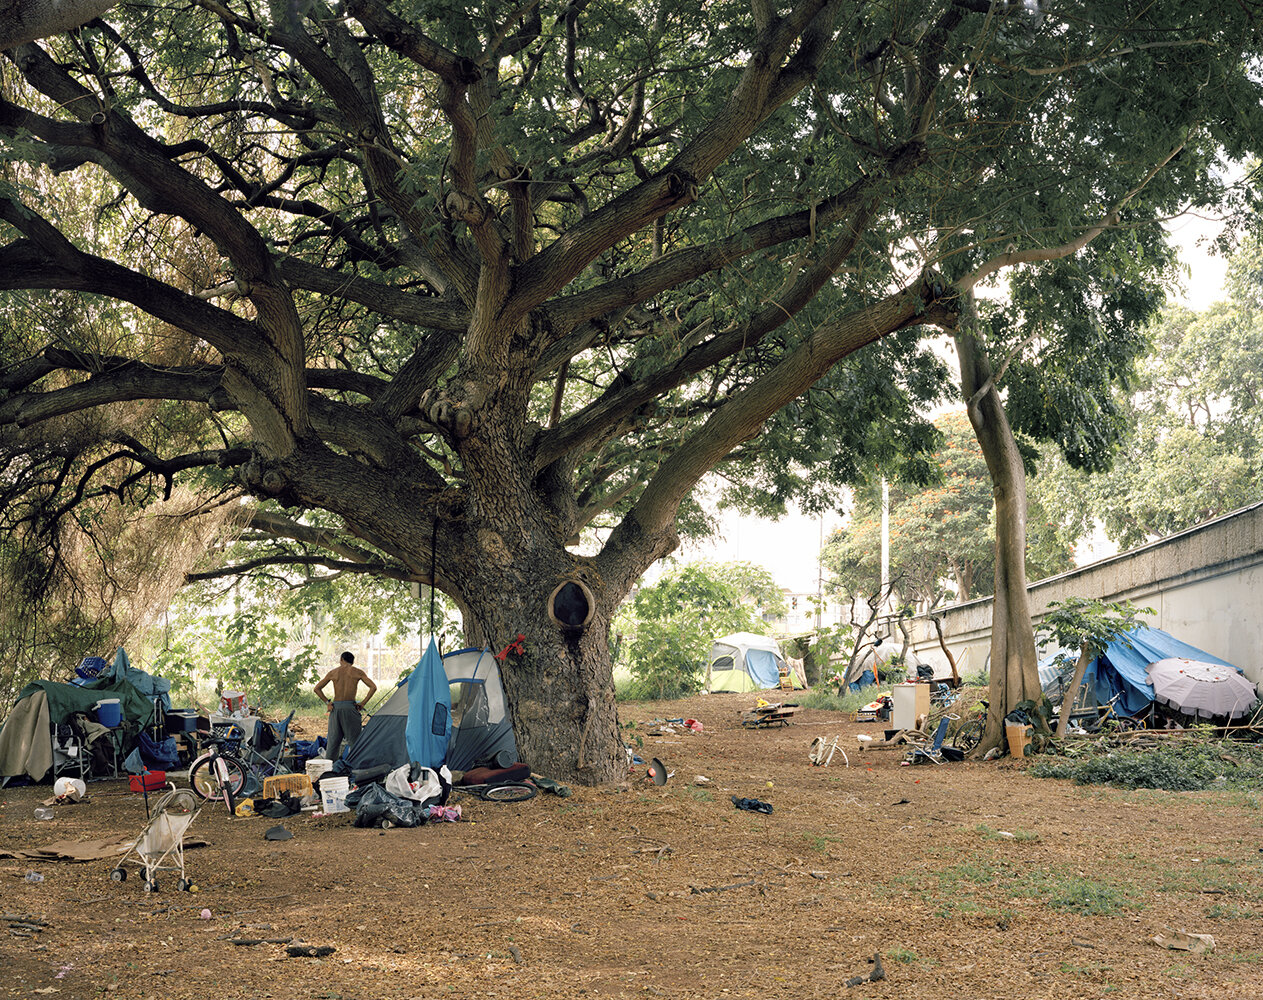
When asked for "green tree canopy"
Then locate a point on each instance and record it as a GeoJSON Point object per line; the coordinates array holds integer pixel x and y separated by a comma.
{"type": "Point", "coordinates": [1194, 449]}
{"type": "Point", "coordinates": [942, 536]}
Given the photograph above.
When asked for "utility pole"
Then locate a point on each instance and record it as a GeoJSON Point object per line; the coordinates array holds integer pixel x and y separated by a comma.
{"type": "Point", "coordinates": [820, 577]}
{"type": "Point", "coordinates": [885, 545]}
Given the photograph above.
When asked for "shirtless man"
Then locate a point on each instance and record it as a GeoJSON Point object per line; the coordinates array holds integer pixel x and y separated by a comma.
{"type": "Point", "coordinates": [344, 709]}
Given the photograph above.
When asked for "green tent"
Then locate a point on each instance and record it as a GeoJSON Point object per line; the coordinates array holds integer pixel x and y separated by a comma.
{"type": "Point", "coordinates": [26, 739]}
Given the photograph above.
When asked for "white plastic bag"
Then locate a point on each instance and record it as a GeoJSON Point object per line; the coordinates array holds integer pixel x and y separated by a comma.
{"type": "Point", "coordinates": [427, 786]}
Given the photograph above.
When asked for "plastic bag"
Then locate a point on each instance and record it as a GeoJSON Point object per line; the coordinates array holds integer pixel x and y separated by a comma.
{"type": "Point", "coordinates": [418, 783]}
{"type": "Point", "coordinates": [376, 805]}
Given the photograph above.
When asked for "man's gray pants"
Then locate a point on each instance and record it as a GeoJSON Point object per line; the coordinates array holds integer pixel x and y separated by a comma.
{"type": "Point", "coordinates": [344, 726]}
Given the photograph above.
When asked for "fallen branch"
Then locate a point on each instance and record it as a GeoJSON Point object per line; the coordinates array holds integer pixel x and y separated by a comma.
{"type": "Point", "coordinates": [719, 888]}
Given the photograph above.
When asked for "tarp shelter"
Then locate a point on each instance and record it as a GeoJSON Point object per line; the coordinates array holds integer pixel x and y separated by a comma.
{"type": "Point", "coordinates": [1120, 670]}
{"type": "Point", "coordinates": [744, 661]}
{"type": "Point", "coordinates": [481, 727]}
{"type": "Point", "coordinates": [147, 684]}
{"type": "Point", "coordinates": [26, 740]}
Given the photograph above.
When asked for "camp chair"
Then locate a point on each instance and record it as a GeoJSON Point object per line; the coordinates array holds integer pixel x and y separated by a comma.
{"type": "Point", "coordinates": [270, 740]}
{"type": "Point", "coordinates": [934, 752]}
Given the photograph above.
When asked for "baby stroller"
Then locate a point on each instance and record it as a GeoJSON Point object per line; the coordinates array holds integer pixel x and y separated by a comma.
{"type": "Point", "coordinates": [161, 844]}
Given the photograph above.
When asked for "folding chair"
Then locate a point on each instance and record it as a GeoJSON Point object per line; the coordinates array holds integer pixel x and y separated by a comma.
{"type": "Point", "coordinates": [935, 751]}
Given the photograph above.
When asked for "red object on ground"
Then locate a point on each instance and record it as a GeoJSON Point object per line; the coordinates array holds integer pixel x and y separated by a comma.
{"type": "Point", "coordinates": [150, 781]}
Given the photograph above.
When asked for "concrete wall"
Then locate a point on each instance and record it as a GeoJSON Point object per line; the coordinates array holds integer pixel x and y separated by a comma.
{"type": "Point", "coordinates": [1205, 585]}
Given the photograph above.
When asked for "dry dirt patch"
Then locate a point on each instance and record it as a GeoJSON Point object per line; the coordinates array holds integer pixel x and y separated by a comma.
{"type": "Point", "coordinates": [971, 880]}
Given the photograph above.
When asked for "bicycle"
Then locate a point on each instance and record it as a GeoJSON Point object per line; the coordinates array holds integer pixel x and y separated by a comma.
{"type": "Point", "coordinates": [507, 791]}
{"type": "Point", "coordinates": [229, 762]}
{"type": "Point", "coordinates": [970, 734]}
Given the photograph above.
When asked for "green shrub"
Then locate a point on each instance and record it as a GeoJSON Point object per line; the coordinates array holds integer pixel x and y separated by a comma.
{"type": "Point", "coordinates": [1175, 767]}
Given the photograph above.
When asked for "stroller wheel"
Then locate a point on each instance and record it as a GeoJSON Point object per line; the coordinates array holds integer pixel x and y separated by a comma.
{"type": "Point", "coordinates": [184, 885]}
{"type": "Point", "coordinates": [151, 885]}
{"type": "Point", "coordinates": [119, 875]}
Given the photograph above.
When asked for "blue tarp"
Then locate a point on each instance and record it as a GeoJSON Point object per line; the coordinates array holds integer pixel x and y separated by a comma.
{"type": "Point", "coordinates": [1120, 670]}
{"type": "Point", "coordinates": [429, 711]}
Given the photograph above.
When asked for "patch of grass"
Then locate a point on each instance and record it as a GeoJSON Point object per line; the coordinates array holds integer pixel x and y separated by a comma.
{"type": "Point", "coordinates": [1229, 911]}
{"type": "Point", "coordinates": [848, 701]}
{"type": "Point", "coordinates": [961, 907]}
{"type": "Point", "coordinates": [987, 833]}
{"type": "Point", "coordinates": [701, 794]}
{"type": "Point", "coordinates": [820, 841]}
{"type": "Point", "coordinates": [1089, 897]}
{"type": "Point", "coordinates": [1176, 766]}
{"type": "Point", "coordinates": [1091, 969]}
{"type": "Point", "coordinates": [904, 956]}
{"type": "Point", "coordinates": [1246, 957]}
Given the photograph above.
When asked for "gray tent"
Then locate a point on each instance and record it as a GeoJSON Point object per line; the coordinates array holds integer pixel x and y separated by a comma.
{"type": "Point", "coordinates": [481, 729]}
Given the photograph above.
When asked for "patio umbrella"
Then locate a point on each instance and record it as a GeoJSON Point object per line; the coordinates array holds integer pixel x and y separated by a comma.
{"type": "Point", "coordinates": [1197, 688]}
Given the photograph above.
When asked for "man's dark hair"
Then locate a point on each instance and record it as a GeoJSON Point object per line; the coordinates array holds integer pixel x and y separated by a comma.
{"type": "Point", "coordinates": [349, 657]}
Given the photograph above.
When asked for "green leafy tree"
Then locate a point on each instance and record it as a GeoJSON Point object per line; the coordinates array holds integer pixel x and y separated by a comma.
{"type": "Point", "coordinates": [669, 626]}
{"type": "Point", "coordinates": [942, 536]}
{"type": "Point", "coordinates": [1194, 450]}
{"type": "Point", "coordinates": [442, 292]}
{"type": "Point", "coordinates": [1088, 626]}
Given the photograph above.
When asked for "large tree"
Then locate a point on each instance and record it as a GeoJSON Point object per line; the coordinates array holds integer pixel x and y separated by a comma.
{"type": "Point", "coordinates": [471, 280]}
{"type": "Point", "coordinates": [1194, 447]}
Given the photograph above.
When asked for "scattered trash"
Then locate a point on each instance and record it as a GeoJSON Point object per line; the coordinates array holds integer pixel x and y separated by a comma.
{"type": "Point", "coordinates": [822, 751]}
{"type": "Point", "coordinates": [752, 805]}
{"type": "Point", "coordinates": [278, 832]}
{"type": "Point", "coordinates": [443, 814]}
{"type": "Point", "coordinates": [69, 789]}
{"type": "Point", "coordinates": [657, 772]}
{"type": "Point", "coordinates": [693, 724]}
{"type": "Point", "coordinates": [33, 877]}
{"type": "Point", "coordinates": [701, 779]}
{"type": "Point", "coordinates": [995, 753]}
{"type": "Point", "coordinates": [1181, 940]}
{"type": "Point", "coordinates": [43, 813]}
{"type": "Point", "coordinates": [864, 738]}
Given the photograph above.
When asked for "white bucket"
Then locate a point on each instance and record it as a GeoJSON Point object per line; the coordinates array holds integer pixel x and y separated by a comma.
{"type": "Point", "coordinates": [333, 794]}
{"type": "Point", "coordinates": [318, 766]}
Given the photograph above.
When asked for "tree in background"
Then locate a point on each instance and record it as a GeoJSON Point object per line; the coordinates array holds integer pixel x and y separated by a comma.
{"type": "Point", "coordinates": [668, 628]}
{"type": "Point", "coordinates": [1195, 416]}
{"type": "Point", "coordinates": [477, 283]}
{"type": "Point", "coordinates": [942, 536]}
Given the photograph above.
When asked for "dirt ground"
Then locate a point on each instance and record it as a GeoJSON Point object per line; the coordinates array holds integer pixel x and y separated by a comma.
{"type": "Point", "coordinates": [971, 880]}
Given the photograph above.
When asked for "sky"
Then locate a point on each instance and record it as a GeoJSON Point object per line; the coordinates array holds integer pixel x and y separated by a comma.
{"type": "Point", "coordinates": [788, 548]}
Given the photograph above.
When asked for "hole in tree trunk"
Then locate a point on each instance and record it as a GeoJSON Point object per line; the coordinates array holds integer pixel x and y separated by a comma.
{"type": "Point", "coordinates": [571, 605]}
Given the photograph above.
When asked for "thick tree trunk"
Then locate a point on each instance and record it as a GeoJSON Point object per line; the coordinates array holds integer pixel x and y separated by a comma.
{"type": "Point", "coordinates": [1014, 667]}
{"type": "Point", "coordinates": [560, 686]}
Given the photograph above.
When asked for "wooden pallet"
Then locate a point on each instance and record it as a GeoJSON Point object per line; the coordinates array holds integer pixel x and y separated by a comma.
{"type": "Point", "coordinates": [768, 715]}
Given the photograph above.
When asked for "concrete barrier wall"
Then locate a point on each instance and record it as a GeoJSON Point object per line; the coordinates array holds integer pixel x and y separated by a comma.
{"type": "Point", "coordinates": [1205, 586]}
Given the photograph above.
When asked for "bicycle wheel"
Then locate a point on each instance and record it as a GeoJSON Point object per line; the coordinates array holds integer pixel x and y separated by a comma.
{"type": "Point", "coordinates": [511, 791]}
{"type": "Point", "coordinates": [209, 775]}
{"type": "Point", "coordinates": [968, 736]}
